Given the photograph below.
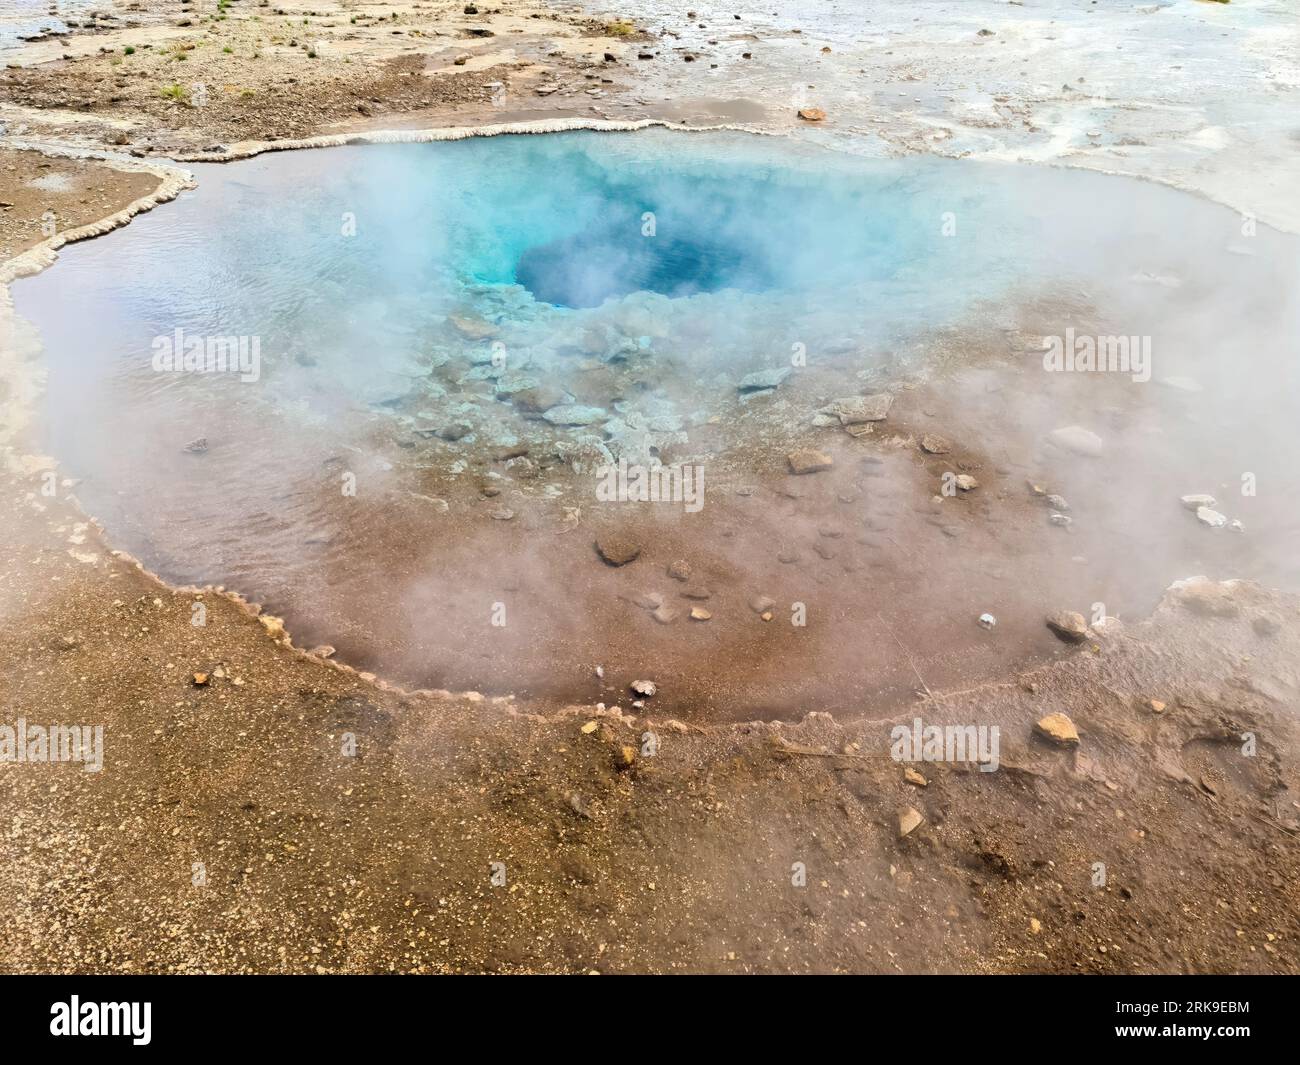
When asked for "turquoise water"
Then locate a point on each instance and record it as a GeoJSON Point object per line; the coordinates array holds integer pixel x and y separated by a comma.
{"type": "Point", "coordinates": [351, 267]}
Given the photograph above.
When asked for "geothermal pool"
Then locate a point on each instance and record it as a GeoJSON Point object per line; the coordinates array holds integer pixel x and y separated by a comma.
{"type": "Point", "coordinates": [443, 343]}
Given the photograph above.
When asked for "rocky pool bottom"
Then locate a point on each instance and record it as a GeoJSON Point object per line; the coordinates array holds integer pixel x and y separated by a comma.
{"type": "Point", "coordinates": [413, 477]}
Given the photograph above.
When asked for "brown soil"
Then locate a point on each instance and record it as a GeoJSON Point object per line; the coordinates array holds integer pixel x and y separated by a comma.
{"type": "Point", "coordinates": [41, 194]}
{"type": "Point", "coordinates": [683, 860]}
{"type": "Point", "coordinates": [191, 85]}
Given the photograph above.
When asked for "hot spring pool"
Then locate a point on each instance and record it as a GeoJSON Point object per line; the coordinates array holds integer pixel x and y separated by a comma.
{"type": "Point", "coordinates": [441, 343]}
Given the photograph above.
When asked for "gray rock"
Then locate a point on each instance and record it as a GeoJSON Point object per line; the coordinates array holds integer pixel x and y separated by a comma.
{"type": "Point", "coordinates": [855, 410]}
{"type": "Point", "coordinates": [763, 379]}
{"type": "Point", "coordinates": [809, 461]}
{"type": "Point", "coordinates": [584, 454]}
{"type": "Point", "coordinates": [575, 414]}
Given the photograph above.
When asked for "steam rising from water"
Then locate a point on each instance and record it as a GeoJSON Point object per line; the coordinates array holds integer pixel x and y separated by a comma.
{"type": "Point", "coordinates": [407, 299]}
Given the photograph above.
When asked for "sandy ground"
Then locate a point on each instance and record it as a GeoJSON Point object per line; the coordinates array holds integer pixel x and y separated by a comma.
{"type": "Point", "coordinates": [287, 814]}
{"type": "Point", "coordinates": [45, 194]}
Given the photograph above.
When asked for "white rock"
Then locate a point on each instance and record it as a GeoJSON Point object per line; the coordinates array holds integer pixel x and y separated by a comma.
{"type": "Point", "coordinates": [1212, 518]}
{"type": "Point", "coordinates": [1195, 502]}
{"type": "Point", "coordinates": [1077, 439]}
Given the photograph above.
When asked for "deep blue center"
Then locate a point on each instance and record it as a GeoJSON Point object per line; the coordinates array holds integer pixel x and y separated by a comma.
{"type": "Point", "coordinates": [602, 262]}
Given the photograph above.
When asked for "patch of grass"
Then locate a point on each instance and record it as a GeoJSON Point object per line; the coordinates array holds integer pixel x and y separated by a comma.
{"type": "Point", "coordinates": [128, 50]}
{"type": "Point", "coordinates": [173, 92]}
{"type": "Point", "coordinates": [621, 27]}
{"type": "Point", "coordinates": [228, 50]}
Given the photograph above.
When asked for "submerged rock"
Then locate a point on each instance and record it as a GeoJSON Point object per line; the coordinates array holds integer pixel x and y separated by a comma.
{"type": "Point", "coordinates": [855, 410]}
{"type": "Point", "coordinates": [935, 445]}
{"type": "Point", "coordinates": [618, 550]}
{"type": "Point", "coordinates": [540, 398]}
{"type": "Point", "coordinates": [455, 431]}
{"type": "Point", "coordinates": [584, 454]}
{"type": "Point", "coordinates": [809, 461]}
{"type": "Point", "coordinates": [1068, 626]}
{"type": "Point", "coordinates": [473, 328]}
{"type": "Point", "coordinates": [575, 414]}
{"type": "Point", "coordinates": [1212, 518]}
{"type": "Point", "coordinates": [764, 379]}
{"type": "Point", "coordinates": [1077, 439]}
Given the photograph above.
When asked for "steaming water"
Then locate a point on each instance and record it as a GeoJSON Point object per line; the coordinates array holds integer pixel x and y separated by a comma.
{"type": "Point", "coordinates": [405, 298]}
